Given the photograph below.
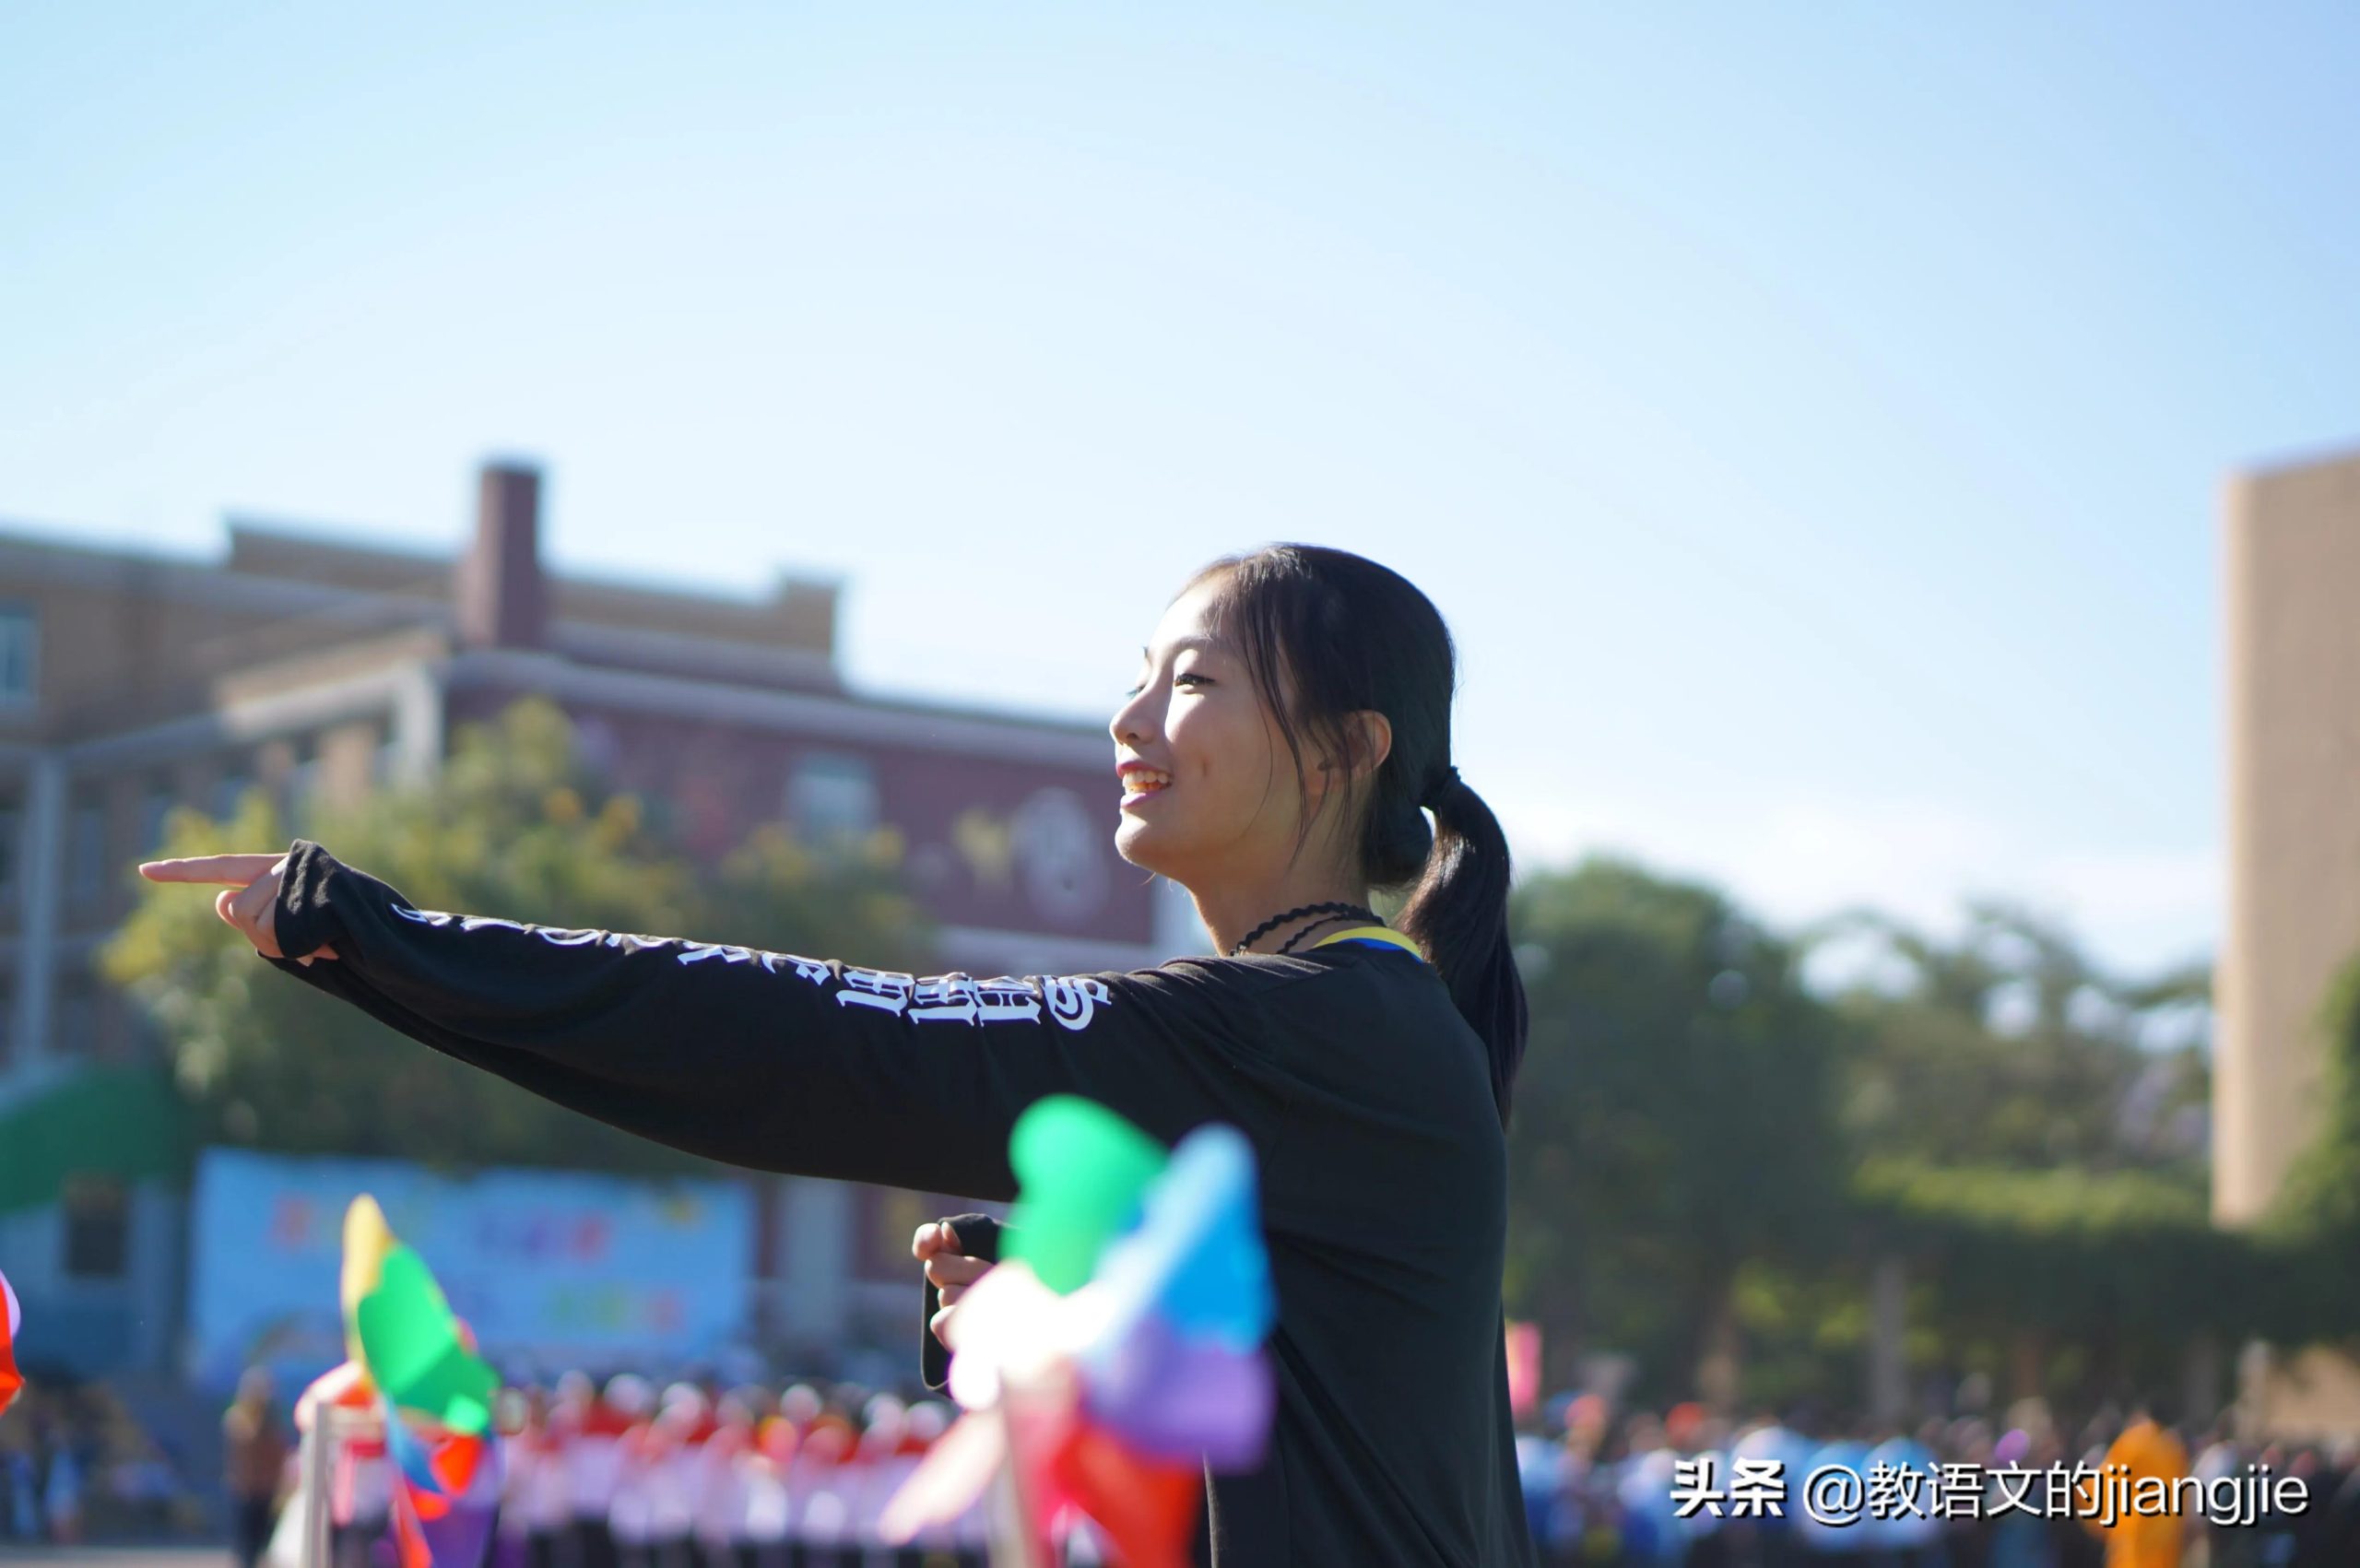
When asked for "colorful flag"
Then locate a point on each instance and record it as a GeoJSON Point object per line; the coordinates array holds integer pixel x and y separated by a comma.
{"type": "Point", "coordinates": [10, 1379]}
{"type": "Point", "coordinates": [434, 1394]}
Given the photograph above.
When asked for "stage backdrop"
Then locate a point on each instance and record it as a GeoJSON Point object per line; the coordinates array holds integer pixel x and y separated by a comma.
{"type": "Point", "coordinates": [553, 1269]}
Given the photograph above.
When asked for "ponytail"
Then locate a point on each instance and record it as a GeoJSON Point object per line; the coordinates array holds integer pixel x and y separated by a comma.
{"type": "Point", "coordinates": [1459, 913]}
{"type": "Point", "coordinates": [1328, 634]}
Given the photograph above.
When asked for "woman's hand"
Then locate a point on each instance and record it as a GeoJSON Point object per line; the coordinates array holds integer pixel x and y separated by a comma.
{"type": "Point", "coordinates": [251, 908]}
{"type": "Point", "coordinates": [947, 1269]}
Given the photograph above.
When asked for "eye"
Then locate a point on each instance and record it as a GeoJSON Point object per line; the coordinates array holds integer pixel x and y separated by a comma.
{"type": "Point", "coordinates": [1183, 678]}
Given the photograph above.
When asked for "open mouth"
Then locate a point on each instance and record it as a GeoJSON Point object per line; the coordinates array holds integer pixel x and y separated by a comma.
{"type": "Point", "coordinates": [1141, 783]}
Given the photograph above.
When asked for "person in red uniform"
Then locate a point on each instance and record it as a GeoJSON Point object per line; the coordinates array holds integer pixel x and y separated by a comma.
{"type": "Point", "coordinates": [590, 1427]}
{"type": "Point", "coordinates": [781, 1439]}
{"type": "Point", "coordinates": [1285, 756]}
{"type": "Point", "coordinates": [823, 1475]}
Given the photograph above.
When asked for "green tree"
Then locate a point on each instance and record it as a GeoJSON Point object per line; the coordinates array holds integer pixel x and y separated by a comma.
{"type": "Point", "coordinates": [2318, 1208]}
{"type": "Point", "coordinates": [2008, 1046]}
{"type": "Point", "coordinates": [1675, 1116]}
{"type": "Point", "coordinates": [2032, 1137]}
{"type": "Point", "coordinates": [514, 824]}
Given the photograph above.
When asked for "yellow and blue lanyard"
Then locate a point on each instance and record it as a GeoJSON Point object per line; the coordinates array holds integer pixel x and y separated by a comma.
{"type": "Point", "coordinates": [1374, 937]}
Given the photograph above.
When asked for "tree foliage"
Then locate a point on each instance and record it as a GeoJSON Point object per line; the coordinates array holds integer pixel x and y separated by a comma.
{"type": "Point", "coordinates": [514, 824]}
{"type": "Point", "coordinates": [2008, 1046]}
{"type": "Point", "coordinates": [2321, 1197]}
{"type": "Point", "coordinates": [1702, 1139]}
{"type": "Point", "coordinates": [1675, 1113]}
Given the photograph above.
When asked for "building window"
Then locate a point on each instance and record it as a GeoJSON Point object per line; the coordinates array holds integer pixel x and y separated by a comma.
{"type": "Point", "coordinates": [230, 791]}
{"type": "Point", "coordinates": [98, 1228]}
{"type": "Point", "coordinates": [302, 785]}
{"type": "Point", "coordinates": [19, 656]}
{"type": "Point", "coordinates": [1061, 851]}
{"type": "Point", "coordinates": [596, 744]}
{"type": "Point", "coordinates": [154, 811]}
{"type": "Point", "coordinates": [86, 848]}
{"type": "Point", "coordinates": [832, 796]}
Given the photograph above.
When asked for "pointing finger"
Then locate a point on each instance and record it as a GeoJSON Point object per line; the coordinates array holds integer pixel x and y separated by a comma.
{"type": "Point", "coordinates": [235, 870]}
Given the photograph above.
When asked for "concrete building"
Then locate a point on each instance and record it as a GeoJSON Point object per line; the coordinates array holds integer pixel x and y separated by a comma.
{"type": "Point", "coordinates": [131, 683]}
{"type": "Point", "coordinates": [2292, 591]}
{"type": "Point", "coordinates": [2293, 598]}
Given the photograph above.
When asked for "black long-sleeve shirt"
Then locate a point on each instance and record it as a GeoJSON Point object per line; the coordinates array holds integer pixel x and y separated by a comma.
{"type": "Point", "coordinates": [1365, 1094]}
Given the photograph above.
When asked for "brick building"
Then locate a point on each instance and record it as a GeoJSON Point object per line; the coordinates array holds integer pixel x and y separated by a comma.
{"type": "Point", "coordinates": [131, 683]}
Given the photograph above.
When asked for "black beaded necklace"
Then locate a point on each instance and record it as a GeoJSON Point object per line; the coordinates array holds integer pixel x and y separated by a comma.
{"type": "Point", "coordinates": [1277, 920]}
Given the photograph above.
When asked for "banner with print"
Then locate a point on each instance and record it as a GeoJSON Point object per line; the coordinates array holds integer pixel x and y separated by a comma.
{"type": "Point", "coordinates": [552, 1269]}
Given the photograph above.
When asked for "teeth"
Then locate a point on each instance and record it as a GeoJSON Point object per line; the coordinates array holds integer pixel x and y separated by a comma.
{"type": "Point", "coordinates": [1146, 780]}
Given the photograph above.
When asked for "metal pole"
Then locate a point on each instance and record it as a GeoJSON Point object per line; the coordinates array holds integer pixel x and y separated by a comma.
{"type": "Point", "coordinates": [1888, 1325]}
{"type": "Point", "coordinates": [318, 1466]}
{"type": "Point", "coordinates": [1014, 1541]}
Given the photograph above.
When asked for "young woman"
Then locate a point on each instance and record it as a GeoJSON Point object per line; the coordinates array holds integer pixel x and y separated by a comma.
{"type": "Point", "coordinates": [1279, 758]}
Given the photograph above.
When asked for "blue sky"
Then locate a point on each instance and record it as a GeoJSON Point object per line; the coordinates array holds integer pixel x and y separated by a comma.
{"type": "Point", "coordinates": [1812, 417]}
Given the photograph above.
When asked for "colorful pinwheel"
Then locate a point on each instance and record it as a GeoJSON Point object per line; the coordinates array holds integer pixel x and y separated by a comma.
{"type": "Point", "coordinates": [1118, 1351]}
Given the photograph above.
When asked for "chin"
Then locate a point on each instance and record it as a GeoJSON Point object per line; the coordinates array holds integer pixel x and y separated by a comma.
{"type": "Point", "coordinates": [1143, 846]}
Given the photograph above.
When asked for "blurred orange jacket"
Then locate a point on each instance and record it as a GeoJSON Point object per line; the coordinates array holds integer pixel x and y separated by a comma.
{"type": "Point", "coordinates": [2149, 1540]}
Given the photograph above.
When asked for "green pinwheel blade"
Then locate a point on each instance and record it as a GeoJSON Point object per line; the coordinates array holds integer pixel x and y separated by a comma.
{"type": "Point", "coordinates": [1082, 1170]}
{"type": "Point", "coordinates": [411, 1344]}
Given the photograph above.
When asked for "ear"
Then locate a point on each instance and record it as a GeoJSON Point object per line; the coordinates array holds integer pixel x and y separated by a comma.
{"type": "Point", "coordinates": [1368, 741]}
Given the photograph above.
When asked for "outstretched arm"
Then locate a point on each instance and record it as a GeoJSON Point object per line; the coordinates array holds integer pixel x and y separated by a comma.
{"type": "Point", "coordinates": [768, 1060]}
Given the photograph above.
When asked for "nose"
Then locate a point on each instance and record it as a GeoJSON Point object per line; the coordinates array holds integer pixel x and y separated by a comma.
{"type": "Point", "coordinates": [1133, 722]}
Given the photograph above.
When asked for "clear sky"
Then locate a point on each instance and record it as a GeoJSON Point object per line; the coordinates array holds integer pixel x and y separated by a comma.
{"type": "Point", "coordinates": [1812, 417]}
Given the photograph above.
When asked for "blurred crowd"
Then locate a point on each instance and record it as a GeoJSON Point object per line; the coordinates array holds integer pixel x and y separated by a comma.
{"type": "Point", "coordinates": [75, 1464]}
{"type": "Point", "coordinates": [1606, 1489]}
{"type": "Point", "coordinates": [686, 1476]}
{"type": "Point", "coordinates": [634, 1474]}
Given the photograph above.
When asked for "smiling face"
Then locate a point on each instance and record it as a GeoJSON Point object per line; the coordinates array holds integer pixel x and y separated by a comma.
{"type": "Point", "coordinates": [1210, 793]}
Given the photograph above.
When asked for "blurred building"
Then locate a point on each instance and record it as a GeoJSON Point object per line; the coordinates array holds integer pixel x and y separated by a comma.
{"type": "Point", "coordinates": [2293, 584]}
{"type": "Point", "coordinates": [318, 670]}
{"type": "Point", "coordinates": [2292, 591]}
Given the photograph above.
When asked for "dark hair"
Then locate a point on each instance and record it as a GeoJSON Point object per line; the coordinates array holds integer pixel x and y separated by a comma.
{"type": "Point", "coordinates": [1347, 635]}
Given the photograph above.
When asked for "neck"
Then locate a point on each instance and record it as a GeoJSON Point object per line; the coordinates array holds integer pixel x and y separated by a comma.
{"type": "Point", "coordinates": [1231, 911]}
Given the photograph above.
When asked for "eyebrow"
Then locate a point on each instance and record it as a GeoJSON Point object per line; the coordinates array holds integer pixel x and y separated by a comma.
{"type": "Point", "coordinates": [1206, 645]}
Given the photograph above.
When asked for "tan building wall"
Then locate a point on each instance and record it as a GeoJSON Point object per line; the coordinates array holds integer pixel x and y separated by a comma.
{"type": "Point", "coordinates": [2292, 583]}
{"type": "Point", "coordinates": [123, 639]}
